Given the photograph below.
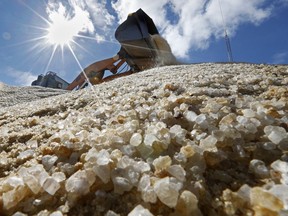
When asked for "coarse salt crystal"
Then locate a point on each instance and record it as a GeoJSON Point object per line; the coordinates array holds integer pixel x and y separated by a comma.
{"type": "Point", "coordinates": [136, 139]}
{"type": "Point", "coordinates": [139, 210]}
{"type": "Point", "coordinates": [51, 185]}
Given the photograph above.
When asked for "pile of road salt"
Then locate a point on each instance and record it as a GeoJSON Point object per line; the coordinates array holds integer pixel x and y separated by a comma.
{"type": "Point", "coordinates": [11, 95]}
{"type": "Point", "coordinates": [204, 139]}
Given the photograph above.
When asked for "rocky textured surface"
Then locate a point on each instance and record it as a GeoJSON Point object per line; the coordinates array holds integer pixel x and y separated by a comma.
{"type": "Point", "coordinates": [11, 95]}
{"type": "Point", "coordinates": [205, 139]}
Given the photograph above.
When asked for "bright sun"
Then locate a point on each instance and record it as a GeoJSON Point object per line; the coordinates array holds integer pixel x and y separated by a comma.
{"type": "Point", "coordinates": [65, 25]}
{"type": "Point", "coordinates": [61, 31]}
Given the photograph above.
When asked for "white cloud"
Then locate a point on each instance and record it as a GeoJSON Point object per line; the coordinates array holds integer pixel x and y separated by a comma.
{"type": "Point", "coordinates": [198, 21]}
{"type": "Point", "coordinates": [99, 38]}
{"type": "Point", "coordinates": [151, 7]}
{"type": "Point", "coordinates": [77, 17]}
{"type": "Point", "coordinates": [22, 78]}
{"type": "Point", "coordinates": [102, 19]}
{"type": "Point", "coordinates": [90, 17]}
{"type": "Point", "coordinates": [92, 12]}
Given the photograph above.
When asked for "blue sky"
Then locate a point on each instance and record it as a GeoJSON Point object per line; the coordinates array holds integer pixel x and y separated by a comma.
{"type": "Point", "coordinates": [194, 28]}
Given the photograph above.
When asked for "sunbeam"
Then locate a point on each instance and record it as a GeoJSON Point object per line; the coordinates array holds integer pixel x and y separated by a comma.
{"type": "Point", "coordinates": [51, 57]}
{"type": "Point", "coordinates": [35, 12]}
{"type": "Point", "coordinates": [94, 38]}
{"type": "Point", "coordinates": [82, 47]}
{"type": "Point", "coordinates": [82, 69]}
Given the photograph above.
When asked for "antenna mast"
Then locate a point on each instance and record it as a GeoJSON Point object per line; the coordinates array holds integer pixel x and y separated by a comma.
{"type": "Point", "coordinates": [227, 40]}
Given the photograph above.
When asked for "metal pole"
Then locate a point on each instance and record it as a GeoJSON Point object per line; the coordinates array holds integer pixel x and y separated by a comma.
{"type": "Point", "coordinates": [227, 40]}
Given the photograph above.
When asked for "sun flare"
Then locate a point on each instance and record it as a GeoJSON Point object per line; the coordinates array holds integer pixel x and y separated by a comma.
{"type": "Point", "coordinates": [64, 25]}
{"type": "Point", "coordinates": [61, 32]}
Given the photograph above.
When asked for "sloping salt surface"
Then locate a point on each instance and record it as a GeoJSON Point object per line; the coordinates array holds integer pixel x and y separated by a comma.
{"type": "Point", "coordinates": [11, 95]}
{"type": "Point", "coordinates": [204, 139]}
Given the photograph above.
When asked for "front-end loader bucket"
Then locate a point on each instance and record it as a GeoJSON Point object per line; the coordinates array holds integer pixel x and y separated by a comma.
{"type": "Point", "coordinates": [141, 44]}
{"type": "Point", "coordinates": [137, 26]}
